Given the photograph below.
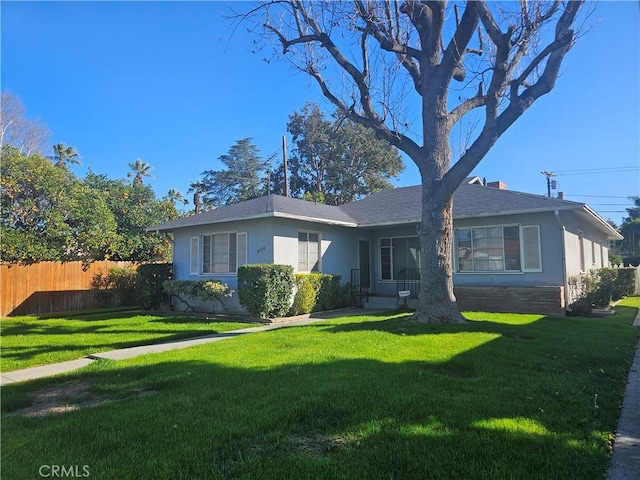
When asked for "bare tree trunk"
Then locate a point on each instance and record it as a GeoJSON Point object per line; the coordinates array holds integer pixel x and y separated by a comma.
{"type": "Point", "coordinates": [436, 302]}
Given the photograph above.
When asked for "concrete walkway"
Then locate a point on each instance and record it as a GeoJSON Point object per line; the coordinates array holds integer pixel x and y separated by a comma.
{"type": "Point", "coordinates": [64, 367]}
{"type": "Point", "coordinates": [625, 461]}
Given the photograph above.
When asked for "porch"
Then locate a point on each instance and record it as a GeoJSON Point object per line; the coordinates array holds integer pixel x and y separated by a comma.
{"type": "Point", "coordinates": [545, 300]}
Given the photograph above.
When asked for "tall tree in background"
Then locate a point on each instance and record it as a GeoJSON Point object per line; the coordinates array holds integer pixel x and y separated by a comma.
{"type": "Point", "coordinates": [377, 61]}
{"type": "Point", "coordinates": [49, 214]}
{"type": "Point", "coordinates": [63, 155]}
{"type": "Point", "coordinates": [241, 180]}
{"type": "Point", "coordinates": [337, 158]}
{"type": "Point", "coordinates": [199, 189]}
{"type": "Point", "coordinates": [174, 196]}
{"type": "Point", "coordinates": [634, 212]}
{"type": "Point", "coordinates": [139, 170]}
{"type": "Point", "coordinates": [629, 246]}
{"type": "Point", "coordinates": [134, 207]}
{"type": "Point", "coordinates": [16, 130]}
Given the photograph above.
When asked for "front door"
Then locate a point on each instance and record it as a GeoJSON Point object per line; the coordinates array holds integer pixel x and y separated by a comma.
{"type": "Point", "coordinates": [364, 256]}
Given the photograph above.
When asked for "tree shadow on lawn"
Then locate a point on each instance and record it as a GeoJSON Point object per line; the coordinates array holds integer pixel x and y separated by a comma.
{"type": "Point", "coordinates": [404, 325]}
{"type": "Point", "coordinates": [79, 350]}
{"type": "Point", "coordinates": [511, 413]}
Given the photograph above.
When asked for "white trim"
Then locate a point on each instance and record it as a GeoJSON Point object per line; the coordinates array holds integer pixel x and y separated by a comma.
{"type": "Point", "coordinates": [522, 246]}
{"type": "Point", "coordinates": [237, 259]}
{"type": "Point", "coordinates": [307, 233]}
{"type": "Point", "coordinates": [194, 259]}
{"type": "Point", "coordinates": [523, 249]}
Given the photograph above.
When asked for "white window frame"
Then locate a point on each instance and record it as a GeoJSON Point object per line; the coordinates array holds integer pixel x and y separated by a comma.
{"type": "Point", "coordinates": [307, 261]}
{"type": "Point", "coordinates": [523, 248]}
{"type": "Point", "coordinates": [391, 247]}
{"type": "Point", "coordinates": [525, 261]}
{"type": "Point", "coordinates": [194, 256]}
{"type": "Point", "coordinates": [240, 257]}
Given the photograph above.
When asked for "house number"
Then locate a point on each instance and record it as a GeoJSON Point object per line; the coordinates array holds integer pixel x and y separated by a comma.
{"type": "Point", "coordinates": [261, 249]}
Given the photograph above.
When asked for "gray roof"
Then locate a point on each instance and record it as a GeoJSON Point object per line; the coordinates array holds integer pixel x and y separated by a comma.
{"type": "Point", "coordinates": [389, 207]}
{"type": "Point", "coordinates": [262, 207]}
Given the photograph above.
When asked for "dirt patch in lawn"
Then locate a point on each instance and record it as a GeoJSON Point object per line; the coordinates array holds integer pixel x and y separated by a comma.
{"type": "Point", "coordinates": [318, 445]}
{"type": "Point", "coordinates": [69, 397]}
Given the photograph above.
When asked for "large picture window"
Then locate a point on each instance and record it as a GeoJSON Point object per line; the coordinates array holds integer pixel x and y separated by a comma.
{"type": "Point", "coordinates": [399, 255]}
{"type": "Point", "coordinates": [223, 252]}
{"type": "Point", "coordinates": [308, 252]}
{"type": "Point", "coordinates": [510, 248]}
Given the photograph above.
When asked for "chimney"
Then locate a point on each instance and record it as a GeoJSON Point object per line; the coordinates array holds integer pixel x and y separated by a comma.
{"type": "Point", "coordinates": [499, 185]}
{"type": "Point", "coordinates": [561, 195]}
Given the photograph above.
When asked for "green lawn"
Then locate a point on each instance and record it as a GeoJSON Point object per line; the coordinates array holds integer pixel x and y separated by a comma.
{"type": "Point", "coordinates": [31, 341]}
{"type": "Point", "coordinates": [370, 397]}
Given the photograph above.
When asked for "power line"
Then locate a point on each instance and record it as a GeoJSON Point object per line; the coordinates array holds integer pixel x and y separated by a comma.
{"type": "Point", "coordinates": [597, 171]}
{"type": "Point", "coordinates": [599, 196]}
{"type": "Point", "coordinates": [636, 167]}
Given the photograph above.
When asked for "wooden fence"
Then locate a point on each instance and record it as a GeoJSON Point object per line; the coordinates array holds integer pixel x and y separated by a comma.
{"type": "Point", "coordinates": [48, 287]}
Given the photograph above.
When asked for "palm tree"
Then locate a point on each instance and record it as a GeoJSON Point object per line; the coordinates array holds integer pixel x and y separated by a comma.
{"type": "Point", "coordinates": [63, 154]}
{"type": "Point", "coordinates": [139, 169]}
{"type": "Point", "coordinates": [174, 196]}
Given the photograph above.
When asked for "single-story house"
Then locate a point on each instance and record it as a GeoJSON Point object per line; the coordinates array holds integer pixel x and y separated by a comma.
{"type": "Point", "coordinates": [513, 251]}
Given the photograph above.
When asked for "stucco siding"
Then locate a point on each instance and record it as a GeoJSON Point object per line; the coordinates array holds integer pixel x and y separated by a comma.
{"type": "Point", "coordinates": [338, 253]}
{"type": "Point", "coordinates": [550, 251]}
{"type": "Point", "coordinates": [259, 247]}
{"type": "Point", "coordinates": [586, 248]}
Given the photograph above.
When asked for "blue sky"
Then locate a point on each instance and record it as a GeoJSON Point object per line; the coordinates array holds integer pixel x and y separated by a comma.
{"type": "Point", "coordinates": [173, 84]}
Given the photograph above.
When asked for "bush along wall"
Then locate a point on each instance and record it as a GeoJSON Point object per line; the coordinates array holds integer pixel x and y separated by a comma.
{"type": "Point", "coordinates": [150, 278]}
{"type": "Point", "coordinates": [187, 290]}
{"type": "Point", "coordinates": [614, 284]}
{"type": "Point", "coordinates": [265, 290]}
{"type": "Point", "coordinates": [317, 292]}
{"type": "Point", "coordinates": [117, 285]}
{"type": "Point", "coordinates": [600, 287]}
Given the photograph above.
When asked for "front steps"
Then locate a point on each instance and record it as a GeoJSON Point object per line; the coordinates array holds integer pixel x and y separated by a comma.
{"type": "Point", "coordinates": [379, 302]}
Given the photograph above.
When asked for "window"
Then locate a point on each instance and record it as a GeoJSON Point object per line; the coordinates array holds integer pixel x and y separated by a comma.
{"type": "Point", "coordinates": [399, 254]}
{"type": "Point", "coordinates": [308, 252]}
{"type": "Point", "coordinates": [193, 261]}
{"type": "Point", "coordinates": [583, 262]}
{"type": "Point", "coordinates": [223, 252]}
{"type": "Point", "coordinates": [498, 249]}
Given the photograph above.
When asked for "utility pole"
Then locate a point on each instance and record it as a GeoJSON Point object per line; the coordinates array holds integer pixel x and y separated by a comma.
{"type": "Point", "coordinates": [286, 167]}
{"type": "Point", "coordinates": [549, 176]}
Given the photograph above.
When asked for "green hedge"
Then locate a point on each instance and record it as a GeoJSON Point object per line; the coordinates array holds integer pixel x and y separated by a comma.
{"type": "Point", "coordinates": [600, 287]}
{"type": "Point", "coordinates": [265, 290]}
{"type": "Point", "coordinates": [316, 292]}
{"type": "Point", "coordinates": [149, 279]}
{"type": "Point", "coordinates": [120, 281]}
{"type": "Point", "coordinates": [625, 284]}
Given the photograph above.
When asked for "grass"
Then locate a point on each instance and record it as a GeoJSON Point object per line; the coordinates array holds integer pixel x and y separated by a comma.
{"type": "Point", "coordinates": [31, 341]}
{"type": "Point", "coordinates": [370, 397]}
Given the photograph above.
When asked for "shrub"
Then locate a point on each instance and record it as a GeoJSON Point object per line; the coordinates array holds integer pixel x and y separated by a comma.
{"type": "Point", "coordinates": [332, 294]}
{"type": "Point", "coordinates": [317, 291]}
{"type": "Point", "coordinates": [581, 291]}
{"type": "Point", "coordinates": [625, 283]}
{"type": "Point", "coordinates": [615, 259]}
{"type": "Point", "coordinates": [118, 281]}
{"type": "Point", "coordinates": [265, 290]}
{"type": "Point", "coordinates": [150, 281]}
{"type": "Point", "coordinates": [307, 292]}
{"type": "Point", "coordinates": [605, 281]}
{"type": "Point", "coordinates": [199, 289]}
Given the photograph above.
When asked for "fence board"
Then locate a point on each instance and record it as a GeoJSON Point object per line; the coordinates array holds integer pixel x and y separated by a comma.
{"type": "Point", "coordinates": [48, 287]}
